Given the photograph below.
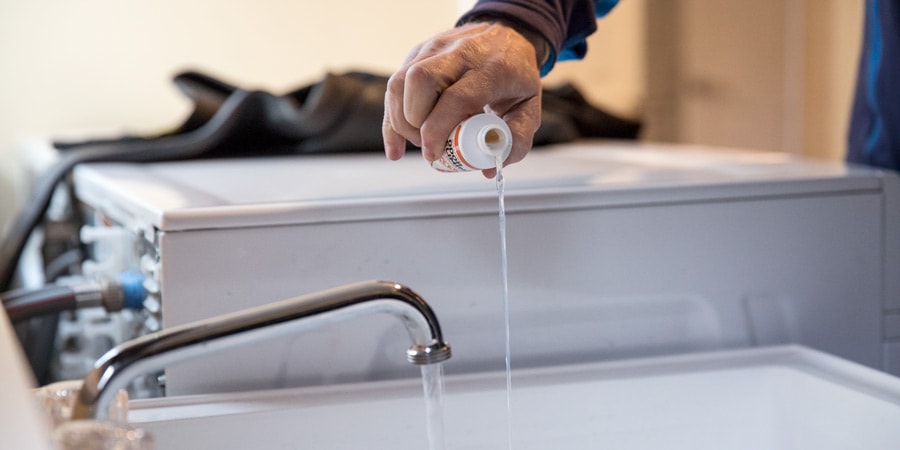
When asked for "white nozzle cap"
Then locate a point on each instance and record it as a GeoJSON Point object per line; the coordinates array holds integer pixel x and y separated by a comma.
{"type": "Point", "coordinates": [496, 141]}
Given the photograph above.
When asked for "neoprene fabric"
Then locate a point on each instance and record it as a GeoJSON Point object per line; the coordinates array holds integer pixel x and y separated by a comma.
{"type": "Point", "coordinates": [343, 113]}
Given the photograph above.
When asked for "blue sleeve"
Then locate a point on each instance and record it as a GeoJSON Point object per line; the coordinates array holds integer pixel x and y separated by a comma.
{"type": "Point", "coordinates": [874, 134]}
{"type": "Point", "coordinates": [565, 24]}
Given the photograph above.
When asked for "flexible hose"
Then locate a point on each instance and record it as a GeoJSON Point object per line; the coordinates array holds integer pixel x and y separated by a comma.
{"type": "Point", "coordinates": [24, 304]}
{"type": "Point", "coordinates": [171, 147]}
{"type": "Point", "coordinates": [126, 291]}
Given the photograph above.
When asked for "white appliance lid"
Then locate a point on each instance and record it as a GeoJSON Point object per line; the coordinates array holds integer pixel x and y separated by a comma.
{"type": "Point", "coordinates": [203, 194]}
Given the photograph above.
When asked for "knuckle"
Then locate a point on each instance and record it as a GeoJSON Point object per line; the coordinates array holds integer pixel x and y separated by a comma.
{"type": "Point", "coordinates": [433, 134]}
{"type": "Point", "coordinates": [419, 74]}
{"type": "Point", "coordinates": [395, 84]}
{"type": "Point", "coordinates": [465, 98]}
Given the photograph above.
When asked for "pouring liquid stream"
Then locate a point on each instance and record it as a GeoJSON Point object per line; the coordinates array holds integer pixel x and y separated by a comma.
{"type": "Point", "coordinates": [504, 268]}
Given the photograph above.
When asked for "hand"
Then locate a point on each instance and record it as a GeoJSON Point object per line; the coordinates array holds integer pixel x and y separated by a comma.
{"type": "Point", "coordinates": [456, 74]}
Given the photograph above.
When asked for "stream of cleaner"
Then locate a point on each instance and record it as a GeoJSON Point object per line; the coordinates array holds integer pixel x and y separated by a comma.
{"type": "Point", "coordinates": [504, 268]}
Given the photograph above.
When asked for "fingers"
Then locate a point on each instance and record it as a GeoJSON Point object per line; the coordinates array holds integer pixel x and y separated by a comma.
{"type": "Point", "coordinates": [454, 76]}
{"type": "Point", "coordinates": [424, 83]}
{"type": "Point", "coordinates": [429, 99]}
{"type": "Point", "coordinates": [523, 120]}
{"type": "Point", "coordinates": [458, 102]}
{"type": "Point", "coordinates": [431, 71]}
{"type": "Point", "coordinates": [394, 143]}
{"type": "Point", "coordinates": [395, 129]}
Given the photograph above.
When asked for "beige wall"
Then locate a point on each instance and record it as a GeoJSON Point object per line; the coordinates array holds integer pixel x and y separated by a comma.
{"type": "Point", "coordinates": [833, 36]}
{"type": "Point", "coordinates": [767, 74]}
{"type": "Point", "coordinates": [107, 64]}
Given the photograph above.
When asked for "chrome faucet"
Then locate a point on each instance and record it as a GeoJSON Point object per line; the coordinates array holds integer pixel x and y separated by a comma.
{"type": "Point", "coordinates": [114, 370]}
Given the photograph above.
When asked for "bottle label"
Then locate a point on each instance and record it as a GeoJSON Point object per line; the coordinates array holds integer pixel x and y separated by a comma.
{"type": "Point", "coordinates": [453, 160]}
{"type": "Point", "coordinates": [475, 144]}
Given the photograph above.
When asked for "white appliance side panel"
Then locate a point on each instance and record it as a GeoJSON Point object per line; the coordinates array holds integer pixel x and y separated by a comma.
{"type": "Point", "coordinates": [585, 285]}
{"type": "Point", "coordinates": [891, 268]}
{"type": "Point", "coordinates": [891, 204]}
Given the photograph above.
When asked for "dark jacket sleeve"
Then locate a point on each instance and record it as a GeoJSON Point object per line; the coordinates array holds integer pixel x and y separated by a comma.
{"type": "Point", "coordinates": [565, 24]}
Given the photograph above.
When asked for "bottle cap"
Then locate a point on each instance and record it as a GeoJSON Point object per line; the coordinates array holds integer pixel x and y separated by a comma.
{"type": "Point", "coordinates": [496, 141]}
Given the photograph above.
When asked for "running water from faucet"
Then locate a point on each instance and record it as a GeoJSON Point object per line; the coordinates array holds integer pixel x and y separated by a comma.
{"type": "Point", "coordinates": [433, 383]}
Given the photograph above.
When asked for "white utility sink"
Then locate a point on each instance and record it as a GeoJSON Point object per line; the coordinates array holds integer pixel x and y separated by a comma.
{"type": "Point", "coordinates": [762, 399]}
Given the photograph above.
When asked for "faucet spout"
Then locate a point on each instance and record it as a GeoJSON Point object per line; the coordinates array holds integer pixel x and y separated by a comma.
{"type": "Point", "coordinates": [120, 365]}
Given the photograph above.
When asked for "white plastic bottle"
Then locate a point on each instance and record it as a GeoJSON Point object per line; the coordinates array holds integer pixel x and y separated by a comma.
{"type": "Point", "coordinates": [475, 144]}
